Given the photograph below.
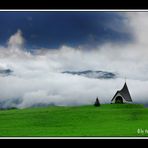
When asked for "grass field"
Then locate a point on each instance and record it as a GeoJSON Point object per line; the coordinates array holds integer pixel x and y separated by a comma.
{"type": "Point", "coordinates": [107, 120]}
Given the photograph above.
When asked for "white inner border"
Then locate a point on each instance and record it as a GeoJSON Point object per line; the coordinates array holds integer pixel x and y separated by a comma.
{"type": "Point", "coordinates": [74, 10]}
{"type": "Point", "coordinates": [93, 10]}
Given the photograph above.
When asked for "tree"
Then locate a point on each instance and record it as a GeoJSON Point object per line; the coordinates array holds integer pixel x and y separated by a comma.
{"type": "Point", "coordinates": [97, 102]}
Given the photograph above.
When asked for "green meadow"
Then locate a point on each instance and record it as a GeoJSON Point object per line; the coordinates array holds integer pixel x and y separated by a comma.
{"type": "Point", "coordinates": [106, 120]}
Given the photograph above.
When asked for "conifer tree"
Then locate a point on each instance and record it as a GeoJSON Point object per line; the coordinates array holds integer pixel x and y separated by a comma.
{"type": "Point", "coordinates": [97, 102]}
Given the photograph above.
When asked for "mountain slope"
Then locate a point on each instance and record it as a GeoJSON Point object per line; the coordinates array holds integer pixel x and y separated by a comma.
{"type": "Point", "coordinates": [93, 74]}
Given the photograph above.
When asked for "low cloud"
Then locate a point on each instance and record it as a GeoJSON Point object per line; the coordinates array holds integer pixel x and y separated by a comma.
{"type": "Point", "coordinates": [16, 40]}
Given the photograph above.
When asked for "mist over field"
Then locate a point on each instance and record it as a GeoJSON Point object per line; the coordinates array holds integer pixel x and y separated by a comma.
{"type": "Point", "coordinates": [30, 78]}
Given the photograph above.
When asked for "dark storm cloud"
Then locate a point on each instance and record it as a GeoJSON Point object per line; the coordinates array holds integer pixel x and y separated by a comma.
{"type": "Point", "coordinates": [54, 29]}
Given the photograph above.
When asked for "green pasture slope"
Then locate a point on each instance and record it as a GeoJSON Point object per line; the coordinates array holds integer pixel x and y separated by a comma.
{"type": "Point", "coordinates": [107, 120]}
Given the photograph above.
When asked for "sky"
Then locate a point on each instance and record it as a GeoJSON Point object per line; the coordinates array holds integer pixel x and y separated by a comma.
{"type": "Point", "coordinates": [37, 47]}
{"type": "Point", "coordinates": [53, 29]}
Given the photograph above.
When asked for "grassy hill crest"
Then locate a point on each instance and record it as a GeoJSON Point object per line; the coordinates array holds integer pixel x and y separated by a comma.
{"type": "Point", "coordinates": [106, 120]}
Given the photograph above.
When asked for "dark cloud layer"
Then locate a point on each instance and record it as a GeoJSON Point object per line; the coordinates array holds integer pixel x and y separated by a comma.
{"type": "Point", "coordinates": [53, 29]}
